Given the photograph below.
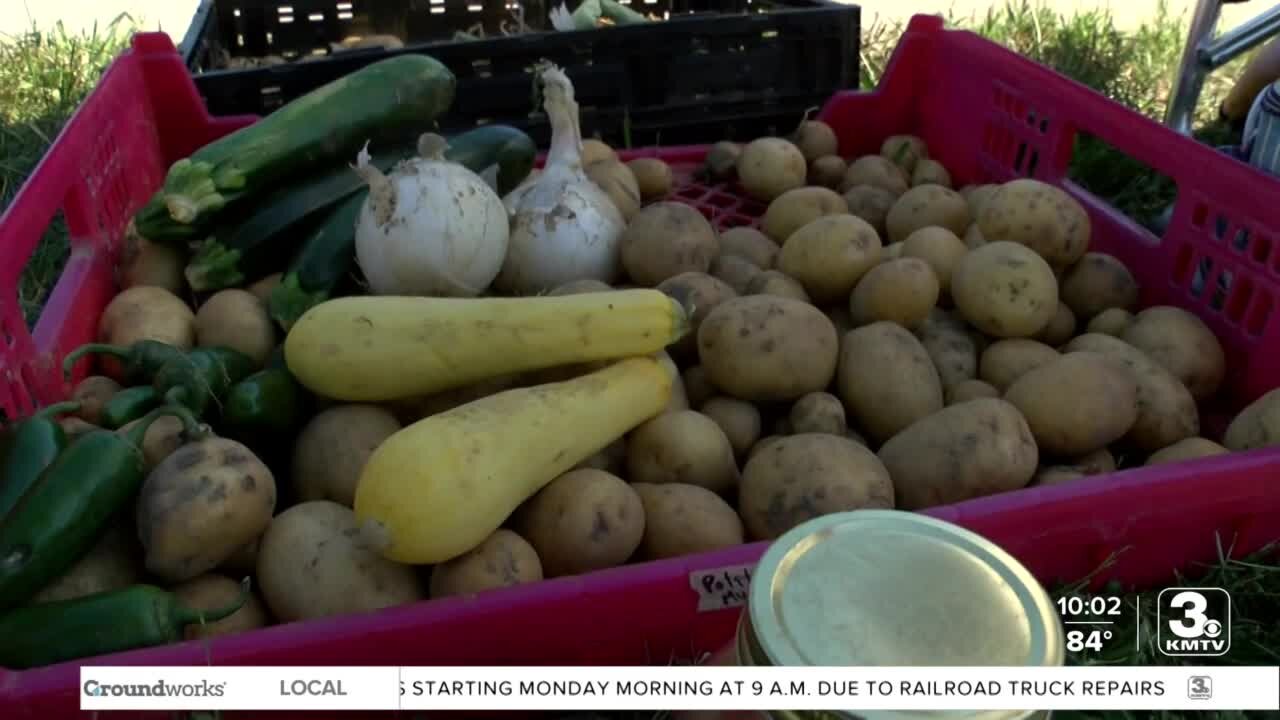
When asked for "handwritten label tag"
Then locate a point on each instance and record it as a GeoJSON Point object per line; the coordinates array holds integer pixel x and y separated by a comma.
{"type": "Point", "coordinates": [722, 588]}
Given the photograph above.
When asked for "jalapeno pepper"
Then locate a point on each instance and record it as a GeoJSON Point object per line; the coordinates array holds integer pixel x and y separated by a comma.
{"type": "Point", "coordinates": [128, 405]}
{"type": "Point", "coordinates": [202, 377]}
{"type": "Point", "coordinates": [26, 449]}
{"type": "Point", "coordinates": [107, 622]}
{"type": "Point", "coordinates": [68, 508]}
{"type": "Point", "coordinates": [141, 360]}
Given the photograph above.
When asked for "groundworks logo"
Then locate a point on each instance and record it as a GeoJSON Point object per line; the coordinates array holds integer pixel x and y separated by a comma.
{"type": "Point", "coordinates": [159, 688]}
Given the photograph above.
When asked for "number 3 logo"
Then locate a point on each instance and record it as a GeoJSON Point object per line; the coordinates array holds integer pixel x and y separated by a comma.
{"type": "Point", "coordinates": [1194, 605]}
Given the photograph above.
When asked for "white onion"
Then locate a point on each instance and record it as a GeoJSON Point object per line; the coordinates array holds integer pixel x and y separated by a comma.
{"type": "Point", "coordinates": [563, 226]}
{"type": "Point", "coordinates": [430, 227]}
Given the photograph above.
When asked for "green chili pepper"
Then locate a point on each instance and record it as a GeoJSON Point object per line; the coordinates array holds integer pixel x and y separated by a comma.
{"type": "Point", "coordinates": [141, 360]}
{"type": "Point", "coordinates": [67, 509]}
{"type": "Point", "coordinates": [266, 405]}
{"type": "Point", "coordinates": [107, 622]}
{"type": "Point", "coordinates": [128, 405]}
{"type": "Point", "coordinates": [26, 449]}
{"type": "Point", "coordinates": [202, 376]}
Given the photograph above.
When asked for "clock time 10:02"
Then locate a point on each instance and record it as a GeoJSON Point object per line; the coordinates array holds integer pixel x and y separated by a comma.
{"type": "Point", "coordinates": [1098, 605]}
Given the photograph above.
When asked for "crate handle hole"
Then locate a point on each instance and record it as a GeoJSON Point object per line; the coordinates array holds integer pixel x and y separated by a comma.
{"type": "Point", "coordinates": [1138, 191]}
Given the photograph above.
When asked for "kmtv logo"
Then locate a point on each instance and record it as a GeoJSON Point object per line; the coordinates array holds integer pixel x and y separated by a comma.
{"type": "Point", "coordinates": [1193, 622]}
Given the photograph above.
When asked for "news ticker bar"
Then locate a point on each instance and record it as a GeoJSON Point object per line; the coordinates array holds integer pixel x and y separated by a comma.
{"type": "Point", "coordinates": [679, 688]}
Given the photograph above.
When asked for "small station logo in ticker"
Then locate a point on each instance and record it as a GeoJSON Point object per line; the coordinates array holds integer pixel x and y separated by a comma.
{"type": "Point", "coordinates": [1194, 622]}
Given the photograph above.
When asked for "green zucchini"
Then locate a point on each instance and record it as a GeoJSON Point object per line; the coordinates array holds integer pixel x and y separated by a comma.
{"type": "Point", "coordinates": [259, 244]}
{"type": "Point", "coordinates": [387, 100]}
{"type": "Point", "coordinates": [328, 253]}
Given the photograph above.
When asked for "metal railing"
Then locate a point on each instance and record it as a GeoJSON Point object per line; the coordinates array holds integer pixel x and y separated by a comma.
{"type": "Point", "coordinates": [1205, 53]}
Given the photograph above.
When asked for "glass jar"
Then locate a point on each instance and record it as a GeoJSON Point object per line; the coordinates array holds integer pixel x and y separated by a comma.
{"type": "Point", "coordinates": [891, 588]}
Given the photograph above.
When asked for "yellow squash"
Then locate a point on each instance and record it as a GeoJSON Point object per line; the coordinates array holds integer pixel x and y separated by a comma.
{"type": "Point", "coordinates": [373, 349]}
{"type": "Point", "coordinates": [439, 487]}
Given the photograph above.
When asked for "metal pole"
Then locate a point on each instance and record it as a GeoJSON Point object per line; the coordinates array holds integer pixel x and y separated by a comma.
{"type": "Point", "coordinates": [1233, 44]}
{"type": "Point", "coordinates": [1191, 71]}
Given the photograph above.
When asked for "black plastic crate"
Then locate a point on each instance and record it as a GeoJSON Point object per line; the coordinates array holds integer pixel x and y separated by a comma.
{"type": "Point", "coordinates": [716, 69]}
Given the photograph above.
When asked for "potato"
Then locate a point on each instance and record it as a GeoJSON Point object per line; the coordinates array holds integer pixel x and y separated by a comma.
{"type": "Point", "coordinates": [906, 151]}
{"type": "Point", "coordinates": [818, 412]}
{"type": "Point", "coordinates": [579, 287]}
{"type": "Point", "coordinates": [940, 248]}
{"type": "Point", "coordinates": [1077, 403]}
{"type": "Point", "coordinates": [653, 177]}
{"type": "Point", "coordinates": [92, 393]}
{"type": "Point", "coordinates": [1183, 344]}
{"type": "Point", "coordinates": [871, 204]}
{"type": "Point", "coordinates": [684, 520]}
{"type": "Point", "coordinates": [151, 264]}
{"type": "Point", "coordinates": [875, 171]}
{"type": "Point", "coordinates": [697, 386]}
{"type": "Point", "coordinates": [410, 410]}
{"type": "Point", "coordinates": [770, 166]}
{"type": "Point", "coordinates": [612, 459]}
{"type": "Point", "coordinates": [236, 319]}
{"type": "Point", "coordinates": [973, 237]}
{"type": "Point", "coordinates": [1192, 448]}
{"type": "Point", "coordinates": [145, 313]}
{"type": "Point", "coordinates": [263, 287]}
{"type": "Point", "coordinates": [582, 521]}
{"type": "Point", "coordinates": [886, 379]}
{"type": "Point", "coordinates": [738, 419]}
{"type": "Point", "coordinates": [333, 447]}
{"type": "Point", "coordinates": [701, 293]}
{"type": "Point", "coordinates": [315, 562]}
{"type": "Point", "coordinates": [768, 349]}
{"type": "Point", "coordinates": [923, 206]}
{"type": "Point", "coordinates": [1256, 426]}
{"type": "Point", "coordinates": [211, 592]}
{"type": "Point", "coordinates": [74, 427]}
{"type": "Point", "coordinates": [930, 172]}
{"type": "Point", "coordinates": [828, 171]}
{"type": "Point", "coordinates": [801, 477]}
{"type": "Point", "coordinates": [1096, 283]}
{"type": "Point", "coordinates": [967, 390]}
{"type": "Point", "coordinates": [777, 284]}
{"type": "Point", "coordinates": [1097, 462]}
{"type": "Point", "coordinates": [763, 444]}
{"type": "Point", "coordinates": [735, 271]}
{"type": "Point", "coordinates": [1040, 216]}
{"type": "Point", "coordinates": [794, 209]}
{"type": "Point", "coordinates": [594, 151]}
{"type": "Point", "coordinates": [1006, 290]}
{"type": "Point", "coordinates": [815, 139]}
{"type": "Point", "coordinates": [163, 437]}
{"type": "Point", "coordinates": [891, 252]}
{"type": "Point", "coordinates": [952, 345]}
{"type": "Point", "coordinates": [750, 244]}
{"type": "Point", "coordinates": [829, 255]}
{"type": "Point", "coordinates": [112, 564]}
{"type": "Point", "coordinates": [1056, 475]}
{"type": "Point", "coordinates": [682, 447]}
{"type": "Point", "coordinates": [901, 291]}
{"type": "Point", "coordinates": [619, 183]}
{"type": "Point", "coordinates": [666, 239]}
{"type": "Point", "coordinates": [722, 160]}
{"type": "Point", "coordinates": [200, 505]}
{"type": "Point", "coordinates": [1061, 328]}
{"type": "Point", "coordinates": [1004, 361]}
{"type": "Point", "coordinates": [977, 198]}
{"type": "Point", "coordinates": [976, 448]}
{"type": "Point", "coordinates": [1167, 412]}
{"type": "Point", "coordinates": [1112, 321]}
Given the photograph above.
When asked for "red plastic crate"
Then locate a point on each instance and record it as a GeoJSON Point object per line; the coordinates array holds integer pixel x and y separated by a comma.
{"type": "Point", "coordinates": [984, 112]}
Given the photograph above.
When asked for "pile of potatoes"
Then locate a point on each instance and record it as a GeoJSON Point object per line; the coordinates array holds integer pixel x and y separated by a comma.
{"type": "Point", "coordinates": [882, 339]}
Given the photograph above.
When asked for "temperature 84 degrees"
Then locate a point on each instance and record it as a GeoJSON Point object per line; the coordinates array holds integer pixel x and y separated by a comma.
{"type": "Point", "coordinates": [1089, 620]}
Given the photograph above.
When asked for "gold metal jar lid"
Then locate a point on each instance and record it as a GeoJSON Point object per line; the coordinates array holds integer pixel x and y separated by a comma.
{"type": "Point", "coordinates": [895, 588]}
